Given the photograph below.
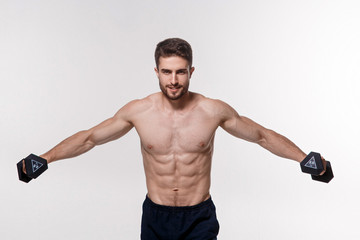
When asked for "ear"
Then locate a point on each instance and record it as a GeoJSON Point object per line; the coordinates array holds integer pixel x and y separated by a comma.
{"type": "Point", "coordinates": [192, 69]}
{"type": "Point", "coordinates": [156, 71]}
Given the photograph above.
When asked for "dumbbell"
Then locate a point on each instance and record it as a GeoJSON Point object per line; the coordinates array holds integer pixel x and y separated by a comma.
{"type": "Point", "coordinates": [313, 165]}
{"type": "Point", "coordinates": [34, 166]}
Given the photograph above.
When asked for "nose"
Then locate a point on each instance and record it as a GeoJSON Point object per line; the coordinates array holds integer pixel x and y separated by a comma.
{"type": "Point", "coordinates": [174, 80]}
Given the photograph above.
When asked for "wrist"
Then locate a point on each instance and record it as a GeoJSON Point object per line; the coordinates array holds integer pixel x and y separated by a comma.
{"type": "Point", "coordinates": [301, 157]}
{"type": "Point", "coordinates": [46, 157]}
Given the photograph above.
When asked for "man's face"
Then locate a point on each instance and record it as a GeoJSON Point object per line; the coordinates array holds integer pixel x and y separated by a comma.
{"type": "Point", "coordinates": [174, 75]}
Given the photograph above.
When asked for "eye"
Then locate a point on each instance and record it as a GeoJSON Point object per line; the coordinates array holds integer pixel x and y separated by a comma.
{"type": "Point", "coordinates": [181, 72]}
{"type": "Point", "coordinates": [165, 71]}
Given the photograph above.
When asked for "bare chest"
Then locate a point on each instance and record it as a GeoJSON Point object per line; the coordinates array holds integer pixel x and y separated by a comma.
{"type": "Point", "coordinates": [164, 134]}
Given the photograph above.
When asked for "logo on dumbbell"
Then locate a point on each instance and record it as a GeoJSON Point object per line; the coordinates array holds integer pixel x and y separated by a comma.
{"type": "Point", "coordinates": [35, 165]}
{"type": "Point", "coordinates": [311, 163]}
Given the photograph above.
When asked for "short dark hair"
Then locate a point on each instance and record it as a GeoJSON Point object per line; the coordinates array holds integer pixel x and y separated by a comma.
{"type": "Point", "coordinates": [173, 47]}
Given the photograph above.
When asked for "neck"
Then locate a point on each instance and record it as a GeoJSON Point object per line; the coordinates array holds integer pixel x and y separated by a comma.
{"type": "Point", "coordinates": [178, 104]}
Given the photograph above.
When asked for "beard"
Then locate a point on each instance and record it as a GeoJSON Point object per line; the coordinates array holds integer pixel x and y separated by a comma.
{"type": "Point", "coordinates": [183, 89]}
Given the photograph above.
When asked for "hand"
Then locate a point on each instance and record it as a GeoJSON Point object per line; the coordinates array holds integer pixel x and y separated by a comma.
{"type": "Point", "coordinates": [324, 164]}
{"type": "Point", "coordinates": [23, 168]}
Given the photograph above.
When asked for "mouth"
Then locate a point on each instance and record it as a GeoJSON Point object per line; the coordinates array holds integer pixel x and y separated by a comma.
{"type": "Point", "coordinates": [174, 89]}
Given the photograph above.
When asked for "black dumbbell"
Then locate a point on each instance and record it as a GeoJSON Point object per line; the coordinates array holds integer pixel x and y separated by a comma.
{"type": "Point", "coordinates": [34, 166]}
{"type": "Point", "coordinates": [313, 164]}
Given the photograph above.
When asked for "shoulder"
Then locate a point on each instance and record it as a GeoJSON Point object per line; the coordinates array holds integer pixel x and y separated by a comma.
{"type": "Point", "coordinates": [213, 105]}
{"type": "Point", "coordinates": [136, 106]}
{"type": "Point", "coordinates": [215, 109]}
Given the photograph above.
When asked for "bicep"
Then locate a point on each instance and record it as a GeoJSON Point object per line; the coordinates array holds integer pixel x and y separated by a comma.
{"type": "Point", "coordinates": [109, 130]}
{"type": "Point", "coordinates": [114, 127]}
{"type": "Point", "coordinates": [241, 127]}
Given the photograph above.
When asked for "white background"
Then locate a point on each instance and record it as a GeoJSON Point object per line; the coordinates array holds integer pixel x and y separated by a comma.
{"type": "Point", "coordinates": [292, 66]}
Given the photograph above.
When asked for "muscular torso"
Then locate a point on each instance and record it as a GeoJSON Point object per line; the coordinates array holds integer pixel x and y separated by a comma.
{"type": "Point", "coordinates": [177, 148]}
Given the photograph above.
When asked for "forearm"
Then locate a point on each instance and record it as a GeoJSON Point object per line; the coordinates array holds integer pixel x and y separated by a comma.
{"type": "Point", "coordinates": [281, 146]}
{"type": "Point", "coordinates": [73, 146]}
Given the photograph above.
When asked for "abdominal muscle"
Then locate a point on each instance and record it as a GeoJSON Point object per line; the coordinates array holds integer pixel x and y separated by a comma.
{"type": "Point", "coordinates": [177, 179]}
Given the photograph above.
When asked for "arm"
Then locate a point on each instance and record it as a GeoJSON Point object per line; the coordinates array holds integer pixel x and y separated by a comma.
{"type": "Point", "coordinates": [81, 142]}
{"type": "Point", "coordinates": [247, 129]}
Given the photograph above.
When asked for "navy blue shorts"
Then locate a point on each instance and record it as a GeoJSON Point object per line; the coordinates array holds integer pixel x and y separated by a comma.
{"type": "Point", "coordinates": [196, 222]}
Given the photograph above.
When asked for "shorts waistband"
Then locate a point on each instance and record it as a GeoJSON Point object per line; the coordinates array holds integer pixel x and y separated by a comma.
{"type": "Point", "coordinates": [203, 204]}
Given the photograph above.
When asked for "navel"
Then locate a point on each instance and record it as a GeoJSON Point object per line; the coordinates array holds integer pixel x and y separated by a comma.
{"type": "Point", "coordinates": [175, 189]}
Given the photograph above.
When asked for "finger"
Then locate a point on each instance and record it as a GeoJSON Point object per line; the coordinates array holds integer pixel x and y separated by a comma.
{"type": "Point", "coordinates": [24, 168]}
{"type": "Point", "coordinates": [324, 164]}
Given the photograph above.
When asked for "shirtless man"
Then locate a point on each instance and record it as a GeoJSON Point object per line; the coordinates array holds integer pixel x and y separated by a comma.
{"type": "Point", "coordinates": [176, 128]}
